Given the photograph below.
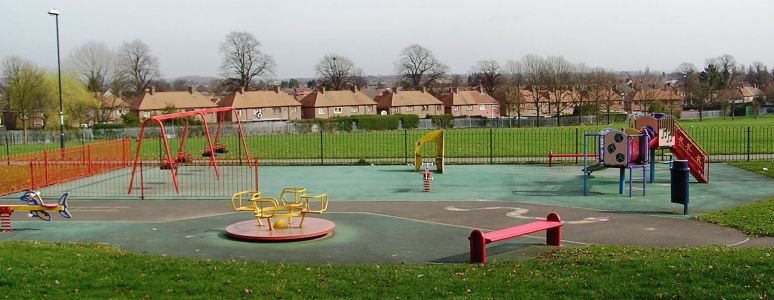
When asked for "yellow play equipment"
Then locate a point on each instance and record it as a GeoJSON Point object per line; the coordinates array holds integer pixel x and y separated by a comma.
{"type": "Point", "coordinates": [293, 202]}
{"type": "Point", "coordinates": [437, 137]}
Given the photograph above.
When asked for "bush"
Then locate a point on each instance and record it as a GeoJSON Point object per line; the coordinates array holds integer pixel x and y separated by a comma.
{"type": "Point", "coordinates": [130, 119]}
{"type": "Point", "coordinates": [443, 121]}
{"type": "Point", "coordinates": [389, 122]}
{"type": "Point", "coordinates": [409, 121]}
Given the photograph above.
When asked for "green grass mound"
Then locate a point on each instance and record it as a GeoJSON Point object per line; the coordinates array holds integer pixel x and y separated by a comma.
{"type": "Point", "coordinates": [755, 219]}
{"type": "Point", "coordinates": [59, 271]}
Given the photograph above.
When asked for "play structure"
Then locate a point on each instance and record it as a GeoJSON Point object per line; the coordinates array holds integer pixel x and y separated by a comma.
{"type": "Point", "coordinates": [171, 160]}
{"type": "Point", "coordinates": [35, 207]}
{"type": "Point", "coordinates": [478, 239]}
{"type": "Point", "coordinates": [282, 219]}
{"type": "Point", "coordinates": [437, 137]}
{"type": "Point", "coordinates": [634, 149]}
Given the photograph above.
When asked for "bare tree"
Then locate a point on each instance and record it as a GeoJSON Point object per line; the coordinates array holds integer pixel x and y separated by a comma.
{"type": "Point", "coordinates": [96, 65]}
{"type": "Point", "coordinates": [511, 98]}
{"type": "Point", "coordinates": [336, 71]}
{"type": "Point", "coordinates": [98, 69]}
{"type": "Point", "coordinates": [418, 67]}
{"type": "Point", "coordinates": [488, 74]}
{"type": "Point", "coordinates": [559, 71]}
{"type": "Point", "coordinates": [25, 88]}
{"type": "Point", "coordinates": [535, 74]}
{"type": "Point", "coordinates": [138, 65]}
{"type": "Point", "coordinates": [600, 90]}
{"type": "Point", "coordinates": [647, 86]}
{"type": "Point", "coordinates": [243, 60]}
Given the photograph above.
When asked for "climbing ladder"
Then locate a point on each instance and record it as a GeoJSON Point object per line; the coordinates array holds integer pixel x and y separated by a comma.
{"type": "Point", "coordinates": [633, 180]}
{"type": "Point", "coordinates": [5, 219]}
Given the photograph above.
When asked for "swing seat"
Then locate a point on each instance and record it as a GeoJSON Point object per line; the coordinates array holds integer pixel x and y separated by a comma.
{"type": "Point", "coordinates": [183, 157]}
{"type": "Point", "coordinates": [221, 148]}
{"type": "Point", "coordinates": [167, 166]}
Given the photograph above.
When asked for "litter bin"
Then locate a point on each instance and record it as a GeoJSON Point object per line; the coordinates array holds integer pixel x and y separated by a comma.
{"type": "Point", "coordinates": [679, 181]}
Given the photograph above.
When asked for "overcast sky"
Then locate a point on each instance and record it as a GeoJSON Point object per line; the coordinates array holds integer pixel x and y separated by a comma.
{"type": "Point", "coordinates": [614, 34]}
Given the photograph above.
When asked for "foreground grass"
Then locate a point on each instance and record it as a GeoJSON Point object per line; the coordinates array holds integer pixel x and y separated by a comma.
{"type": "Point", "coordinates": [754, 219]}
{"type": "Point", "coordinates": [53, 270]}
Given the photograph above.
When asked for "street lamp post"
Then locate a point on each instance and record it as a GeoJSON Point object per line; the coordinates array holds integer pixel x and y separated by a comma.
{"type": "Point", "coordinates": [55, 13]}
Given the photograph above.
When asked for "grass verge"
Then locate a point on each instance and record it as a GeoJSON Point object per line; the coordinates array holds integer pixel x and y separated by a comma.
{"type": "Point", "coordinates": [754, 219]}
{"type": "Point", "coordinates": [56, 270]}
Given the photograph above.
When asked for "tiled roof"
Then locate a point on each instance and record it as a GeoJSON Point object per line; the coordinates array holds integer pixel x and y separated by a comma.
{"type": "Point", "coordinates": [336, 98]}
{"type": "Point", "coordinates": [251, 99]}
{"type": "Point", "coordinates": [390, 98]}
{"type": "Point", "coordinates": [749, 91]}
{"type": "Point", "coordinates": [152, 100]}
{"type": "Point", "coordinates": [657, 94]}
{"type": "Point", "coordinates": [469, 97]}
{"type": "Point", "coordinates": [110, 101]}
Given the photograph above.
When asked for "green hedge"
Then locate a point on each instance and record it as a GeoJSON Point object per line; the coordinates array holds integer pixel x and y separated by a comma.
{"type": "Point", "coordinates": [443, 121]}
{"type": "Point", "coordinates": [108, 126]}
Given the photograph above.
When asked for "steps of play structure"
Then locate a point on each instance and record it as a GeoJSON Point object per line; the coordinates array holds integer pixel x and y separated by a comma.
{"type": "Point", "coordinates": [687, 149]}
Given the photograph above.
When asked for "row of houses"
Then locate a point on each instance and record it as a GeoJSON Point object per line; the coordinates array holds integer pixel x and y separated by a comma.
{"type": "Point", "coordinates": [320, 103]}
{"type": "Point", "coordinates": [278, 104]}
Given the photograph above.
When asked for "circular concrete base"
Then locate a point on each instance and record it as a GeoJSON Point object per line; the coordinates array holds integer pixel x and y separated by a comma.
{"type": "Point", "coordinates": [250, 230]}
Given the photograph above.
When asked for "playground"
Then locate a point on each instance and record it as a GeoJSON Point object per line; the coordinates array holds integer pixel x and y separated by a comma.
{"type": "Point", "coordinates": [382, 214]}
{"type": "Point", "coordinates": [420, 212]}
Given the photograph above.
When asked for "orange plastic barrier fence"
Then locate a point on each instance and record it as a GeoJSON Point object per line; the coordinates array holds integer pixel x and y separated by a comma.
{"type": "Point", "coordinates": [40, 169]}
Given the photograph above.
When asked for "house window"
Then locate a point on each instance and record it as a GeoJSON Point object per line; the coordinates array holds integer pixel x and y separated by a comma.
{"type": "Point", "coordinates": [394, 109]}
{"type": "Point", "coordinates": [370, 109]}
{"type": "Point", "coordinates": [355, 109]}
{"type": "Point", "coordinates": [337, 110]}
{"type": "Point", "coordinates": [482, 107]}
{"type": "Point", "coordinates": [146, 114]}
{"type": "Point", "coordinates": [469, 107]}
{"type": "Point", "coordinates": [438, 107]}
{"type": "Point", "coordinates": [321, 111]}
{"type": "Point", "coordinates": [455, 108]}
{"type": "Point", "coordinates": [425, 107]}
{"type": "Point", "coordinates": [293, 109]}
{"type": "Point", "coordinates": [258, 113]}
{"type": "Point", "coordinates": [276, 110]}
{"type": "Point", "coordinates": [239, 113]}
{"type": "Point", "coordinates": [409, 108]}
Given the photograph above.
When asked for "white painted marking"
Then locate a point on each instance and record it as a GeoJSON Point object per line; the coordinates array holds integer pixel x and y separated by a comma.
{"type": "Point", "coordinates": [739, 243]}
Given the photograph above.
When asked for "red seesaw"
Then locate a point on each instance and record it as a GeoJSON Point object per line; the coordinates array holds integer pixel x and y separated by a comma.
{"type": "Point", "coordinates": [478, 239]}
{"type": "Point", "coordinates": [551, 156]}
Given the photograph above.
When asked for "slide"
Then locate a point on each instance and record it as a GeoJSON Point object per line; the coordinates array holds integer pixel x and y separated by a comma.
{"type": "Point", "coordinates": [686, 148]}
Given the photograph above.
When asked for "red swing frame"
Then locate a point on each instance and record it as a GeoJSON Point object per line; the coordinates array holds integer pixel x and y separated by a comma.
{"type": "Point", "coordinates": [221, 111]}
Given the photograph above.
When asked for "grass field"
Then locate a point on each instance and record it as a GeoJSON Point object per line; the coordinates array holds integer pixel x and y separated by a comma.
{"type": "Point", "coordinates": [54, 270]}
{"type": "Point", "coordinates": [755, 219]}
{"type": "Point", "coordinates": [717, 136]}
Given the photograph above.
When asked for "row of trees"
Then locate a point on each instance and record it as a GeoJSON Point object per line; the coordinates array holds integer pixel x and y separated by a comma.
{"type": "Point", "coordinates": [551, 84]}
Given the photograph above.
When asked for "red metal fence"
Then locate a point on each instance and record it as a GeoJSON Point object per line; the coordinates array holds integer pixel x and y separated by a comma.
{"type": "Point", "coordinates": [47, 168]}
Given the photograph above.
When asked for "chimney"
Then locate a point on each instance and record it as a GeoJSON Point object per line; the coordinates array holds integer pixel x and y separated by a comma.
{"type": "Point", "coordinates": [277, 89]}
{"type": "Point", "coordinates": [394, 90]}
{"type": "Point", "coordinates": [152, 90]}
{"type": "Point", "coordinates": [321, 89]}
{"type": "Point", "coordinates": [190, 89]}
{"type": "Point", "coordinates": [453, 90]}
{"type": "Point", "coordinates": [353, 88]}
{"type": "Point", "coordinates": [480, 89]}
{"type": "Point", "coordinates": [424, 90]}
{"type": "Point", "coordinates": [242, 90]}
